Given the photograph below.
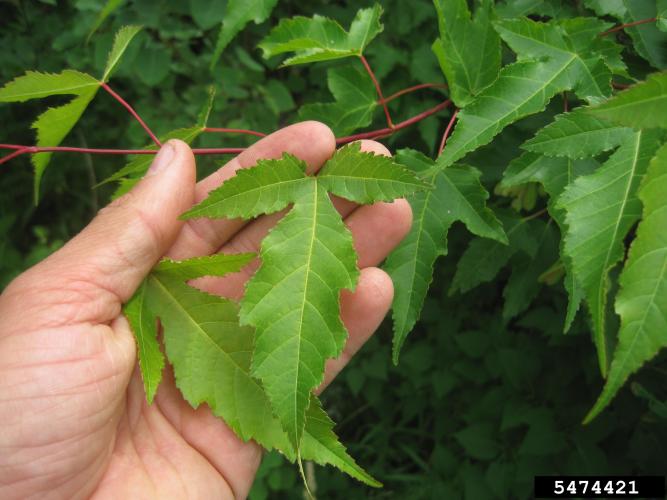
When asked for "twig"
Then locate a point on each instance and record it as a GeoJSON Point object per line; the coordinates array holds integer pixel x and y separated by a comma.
{"type": "Point", "coordinates": [385, 132]}
{"type": "Point", "coordinates": [627, 25]}
{"type": "Point", "coordinates": [19, 150]}
{"type": "Point", "coordinates": [234, 131]}
{"type": "Point", "coordinates": [414, 88]}
{"type": "Point", "coordinates": [131, 110]}
{"type": "Point", "coordinates": [382, 100]}
{"type": "Point", "coordinates": [447, 131]}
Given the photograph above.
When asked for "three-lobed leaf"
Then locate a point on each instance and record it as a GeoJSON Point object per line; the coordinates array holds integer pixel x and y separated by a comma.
{"type": "Point", "coordinates": [322, 39]}
{"type": "Point", "coordinates": [552, 57]}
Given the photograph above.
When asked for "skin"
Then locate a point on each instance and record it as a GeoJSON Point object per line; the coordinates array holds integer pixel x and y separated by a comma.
{"type": "Point", "coordinates": [74, 422]}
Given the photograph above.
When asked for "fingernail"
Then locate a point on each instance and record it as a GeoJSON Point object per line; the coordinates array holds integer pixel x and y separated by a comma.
{"type": "Point", "coordinates": [162, 159]}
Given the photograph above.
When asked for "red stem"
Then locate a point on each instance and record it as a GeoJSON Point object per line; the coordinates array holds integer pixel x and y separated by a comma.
{"type": "Point", "coordinates": [413, 88]}
{"type": "Point", "coordinates": [382, 100]}
{"type": "Point", "coordinates": [385, 132]}
{"type": "Point", "coordinates": [447, 131]}
{"type": "Point", "coordinates": [627, 25]}
{"type": "Point", "coordinates": [133, 113]}
{"type": "Point", "coordinates": [374, 134]}
{"type": "Point", "coordinates": [19, 150]}
{"type": "Point", "coordinates": [234, 131]}
{"type": "Point", "coordinates": [619, 86]}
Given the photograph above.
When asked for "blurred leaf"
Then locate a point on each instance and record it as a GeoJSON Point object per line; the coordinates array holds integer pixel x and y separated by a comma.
{"type": "Point", "coordinates": [238, 14]}
{"type": "Point", "coordinates": [122, 39]}
{"type": "Point", "coordinates": [355, 98]}
{"type": "Point", "coordinates": [479, 441]}
{"type": "Point", "coordinates": [109, 8]}
{"type": "Point", "coordinates": [322, 39]}
{"type": "Point", "coordinates": [207, 13]}
{"type": "Point", "coordinates": [152, 65]}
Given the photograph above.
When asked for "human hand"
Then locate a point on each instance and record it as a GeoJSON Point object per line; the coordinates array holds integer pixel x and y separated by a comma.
{"type": "Point", "coordinates": [74, 421]}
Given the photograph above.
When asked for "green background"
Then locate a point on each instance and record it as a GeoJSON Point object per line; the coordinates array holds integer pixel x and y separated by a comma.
{"type": "Point", "coordinates": [477, 406]}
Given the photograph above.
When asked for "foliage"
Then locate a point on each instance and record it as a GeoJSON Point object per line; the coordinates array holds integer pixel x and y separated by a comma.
{"type": "Point", "coordinates": [571, 191]}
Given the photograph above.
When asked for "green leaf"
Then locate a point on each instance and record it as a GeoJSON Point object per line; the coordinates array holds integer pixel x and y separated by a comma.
{"type": "Point", "coordinates": [210, 354]}
{"type": "Point", "coordinates": [550, 8]}
{"type": "Point", "coordinates": [479, 440]}
{"type": "Point", "coordinates": [134, 170]}
{"type": "Point", "coordinates": [600, 210]}
{"type": "Point", "coordinates": [614, 8]}
{"type": "Point", "coordinates": [109, 8]}
{"type": "Point", "coordinates": [238, 14]}
{"type": "Point", "coordinates": [641, 106]}
{"type": "Point", "coordinates": [34, 85]}
{"type": "Point", "coordinates": [293, 301]}
{"type": "Point", "coordinates": [555, 174]}
{"type": "Point", "coordinates": [577, 134]}
{"type": "Point", "coordinates": [552, 58]}
{"type": "Point", "coordinates": [484, 258]}
{"type": "Point", "coordinates": [321, 445]}
{"type": "Point", "coordinates": [263, 189]}
{"type": "Point", "coordinates": [322, 39]}
{"type": "Point", "coordinates": [197, 267]}
{"type": "Point", "coordinates": [648, 40]}
{"type": "Point", "coordinates": [355, 98]}
{"type": "Point", "coordinates": [207, 14]}
{"type": "Point", "coordinates": [307, 259]}
{"type": "Point", "coordinates": [144, 326]}
{"type": "Point", "coordinates": [642, 300]}
{"type": "Point", "coordinates": [457, 195]}
{"type": "Point", "coordinates": [52, 127]}
{"type": "Point", "coordinates": [522, 89]}
{"type": "Point", "coordinates": [152, 65]}
{"type": "Point", "coordinates": [523, 284]}
{"type": "Point", "coordinates": [662, 15]}
{"type": "Point", "coordinates": [365, 177]}
{"type": "Point", "coordinates": [120, 43]}
{"type": "Point", "coordinates": [468, 50]}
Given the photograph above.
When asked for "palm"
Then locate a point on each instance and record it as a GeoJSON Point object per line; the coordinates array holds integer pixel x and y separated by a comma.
{"type": "Point", "coordinates": [74, 418]}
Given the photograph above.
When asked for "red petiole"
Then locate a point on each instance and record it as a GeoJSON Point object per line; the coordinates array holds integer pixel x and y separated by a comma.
{"type": "Point", "coordinates": [19, 149]}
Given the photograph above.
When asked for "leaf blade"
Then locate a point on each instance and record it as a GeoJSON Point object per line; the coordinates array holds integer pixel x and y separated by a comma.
{"type": "Point", "coordinates": [597, 226]}
{"type": "Point", "coordinates": [641, 300]}
{"type": "Point", "coordinates": [307, 259]}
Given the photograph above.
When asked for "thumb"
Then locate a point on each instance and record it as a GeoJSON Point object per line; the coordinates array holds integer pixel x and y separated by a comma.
{"type": "Point", "coordinates": [107, 261]}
